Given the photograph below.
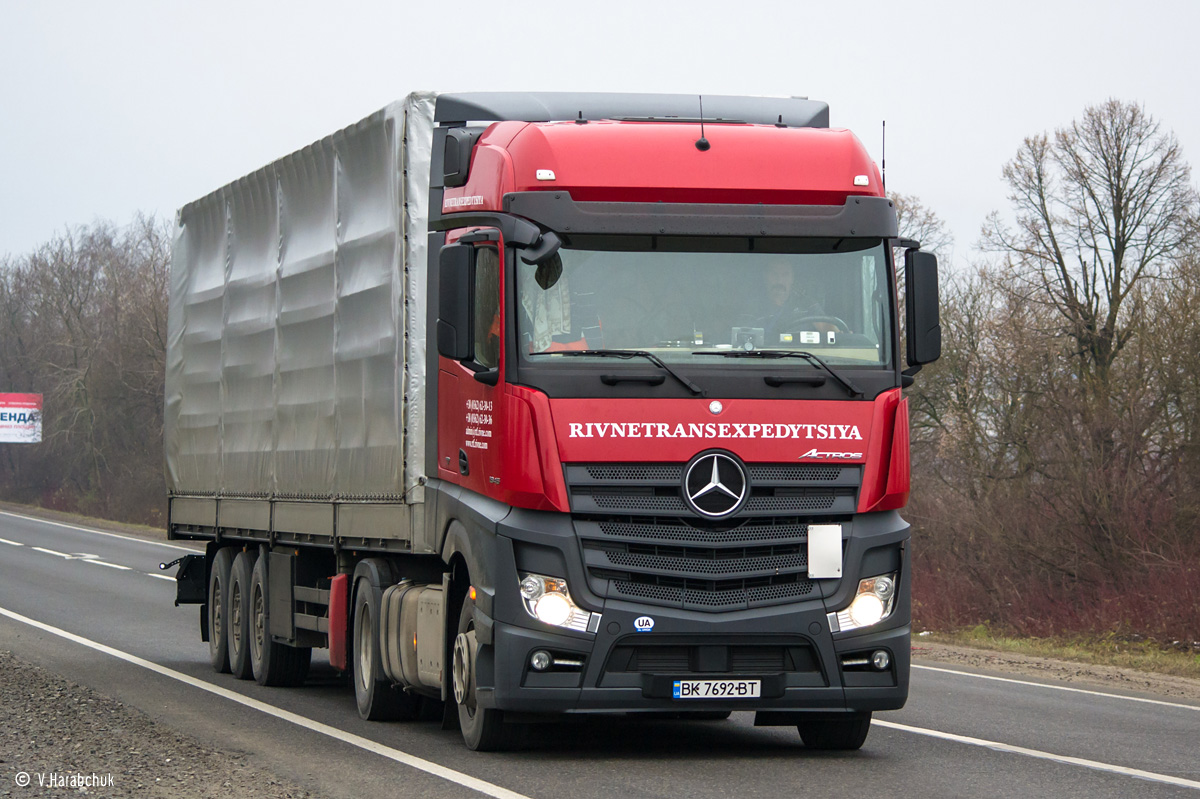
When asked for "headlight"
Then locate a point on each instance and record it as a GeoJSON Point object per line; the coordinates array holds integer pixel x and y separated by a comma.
{"type": "Point", "coordinates": [548, 600]}
{"type": "Point", "coordinates": [872, 603]}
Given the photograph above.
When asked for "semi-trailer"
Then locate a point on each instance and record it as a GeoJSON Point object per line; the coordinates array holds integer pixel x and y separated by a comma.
{"type": "Point", "coordinates": [532, 404]}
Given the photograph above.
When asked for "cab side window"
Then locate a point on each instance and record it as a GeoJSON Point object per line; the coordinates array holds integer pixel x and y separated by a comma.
{"type": "Point", "coordinates": [487, 307]}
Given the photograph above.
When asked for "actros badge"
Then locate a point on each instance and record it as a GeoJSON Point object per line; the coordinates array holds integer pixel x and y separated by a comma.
{"type": "Point", "coordinates": [715, 484]}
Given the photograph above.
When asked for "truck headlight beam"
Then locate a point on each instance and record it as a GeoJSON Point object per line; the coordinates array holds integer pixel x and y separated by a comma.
{"type": "Point", "coordinates": [548, 600]}
{"type": "Point", "coordinates": [873, 602]}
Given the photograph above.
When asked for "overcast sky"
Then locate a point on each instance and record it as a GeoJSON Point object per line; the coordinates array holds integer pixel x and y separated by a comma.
{"type": "Point", "coordinates": [110, 107]}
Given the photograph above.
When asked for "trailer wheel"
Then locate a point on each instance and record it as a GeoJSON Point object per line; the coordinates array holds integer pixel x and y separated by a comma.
{"type": "Point", "coordinates": [844, 733]}
{"type": "Point", "coordinates": [271, 662]}
{"type": "Point", "coordinates": [238, 618]}
{"type": "Point", "coordinates": [483, 729]}
{"type": "Point", "coordinates": [218, 610]}
{"type": "Point", "coordinates": [378, 699]}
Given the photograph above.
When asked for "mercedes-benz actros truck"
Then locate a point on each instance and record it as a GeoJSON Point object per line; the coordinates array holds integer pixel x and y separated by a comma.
{"type": "Point", "coordinates": [524, 405]}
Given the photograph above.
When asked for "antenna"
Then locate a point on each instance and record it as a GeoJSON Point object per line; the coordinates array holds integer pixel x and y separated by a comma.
{"type": "Point", "coordinates": [702, 143]}
{"type": "Point", "coordinates": [883, 169]}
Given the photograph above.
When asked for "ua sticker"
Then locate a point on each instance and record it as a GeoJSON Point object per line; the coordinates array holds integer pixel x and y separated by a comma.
{"type": "Point", "coordinates": [643, 624]}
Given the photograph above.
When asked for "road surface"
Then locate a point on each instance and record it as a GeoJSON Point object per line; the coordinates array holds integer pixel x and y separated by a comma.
{"type": "Point", "coordinates": [93, 607]}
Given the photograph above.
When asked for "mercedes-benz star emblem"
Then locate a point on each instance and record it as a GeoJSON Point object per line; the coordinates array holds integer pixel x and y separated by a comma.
{"type": "Point", "coordinates": [715, 484]}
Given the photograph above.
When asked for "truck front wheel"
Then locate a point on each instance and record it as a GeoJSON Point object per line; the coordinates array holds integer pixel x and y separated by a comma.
{"type": "Point", "coordinates": [483, 729]}
{"type": "Point", "coordinates": [841, 733]}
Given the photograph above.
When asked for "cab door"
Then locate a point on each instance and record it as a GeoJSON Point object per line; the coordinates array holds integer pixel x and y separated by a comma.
{"type": "Point", "coordinates": [470, 387]}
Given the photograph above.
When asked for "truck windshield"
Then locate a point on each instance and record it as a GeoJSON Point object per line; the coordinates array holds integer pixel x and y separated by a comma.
{"type": "Point", "coordinates": [831, 299]}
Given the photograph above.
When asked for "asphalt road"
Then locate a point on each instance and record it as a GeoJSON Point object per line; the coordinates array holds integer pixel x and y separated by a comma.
{"type": "Point", "coordinates": [94, 608]}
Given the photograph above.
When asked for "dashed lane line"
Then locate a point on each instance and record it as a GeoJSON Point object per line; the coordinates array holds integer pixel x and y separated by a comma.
{"type": "Point", "coordinates": [85, 558]}
{"type": "Point", "coordinates": [366, 744]}
{"type": "Point", "coordinates": [1038, 754]}
{"type": "Point", "coordinates": [109, 565]}
{"type": "Point", "coordinates": [1059, 688]}
{"type": "Point", "coordinates": [98, 532]}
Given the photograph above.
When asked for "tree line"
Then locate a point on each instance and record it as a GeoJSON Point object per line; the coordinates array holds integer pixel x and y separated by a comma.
{"type": "Point", "coordinates": [1056, 444]}
{"type": "Point", "coordinates": [83, 321]}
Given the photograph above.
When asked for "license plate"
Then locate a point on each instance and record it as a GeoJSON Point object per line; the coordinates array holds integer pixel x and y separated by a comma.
{"type": "Point", "coordinates": [716, 689]}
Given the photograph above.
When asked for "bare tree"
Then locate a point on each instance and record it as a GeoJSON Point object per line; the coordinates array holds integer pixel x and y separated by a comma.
{"type": "Point", "coordinates": [1099, 208]}
{"type": "Point", "coordinates": [920, 222]}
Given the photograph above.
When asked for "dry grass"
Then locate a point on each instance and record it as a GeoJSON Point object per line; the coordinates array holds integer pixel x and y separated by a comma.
{"type": "Point", "coordinates": [1180, 659]}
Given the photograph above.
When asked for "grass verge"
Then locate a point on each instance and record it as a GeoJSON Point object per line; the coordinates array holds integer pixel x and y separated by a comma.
{"type": "Point", "coordinates": [1179, 659]}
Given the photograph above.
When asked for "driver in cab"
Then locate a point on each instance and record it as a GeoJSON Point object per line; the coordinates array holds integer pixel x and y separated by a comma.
{"type": "Point", "coordinates": [787, 308]}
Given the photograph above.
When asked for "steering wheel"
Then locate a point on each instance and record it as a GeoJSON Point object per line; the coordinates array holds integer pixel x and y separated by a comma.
{"type": "Point", "coordinates": [837, 322]}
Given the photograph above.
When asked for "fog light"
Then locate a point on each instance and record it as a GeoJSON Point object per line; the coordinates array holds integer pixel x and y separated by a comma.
{"type": "Point", "coordinates": [553, 609]}
{"type": "Point", "coordinates": [541, 660]}
{"type": "Point", "coordinates": [865, 610]}
{"type": "Point", "coordinates": [880, 659]}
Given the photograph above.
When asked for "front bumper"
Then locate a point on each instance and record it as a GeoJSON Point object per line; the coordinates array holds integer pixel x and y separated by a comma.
{"type": "Point", "coordinates": [788, 648]}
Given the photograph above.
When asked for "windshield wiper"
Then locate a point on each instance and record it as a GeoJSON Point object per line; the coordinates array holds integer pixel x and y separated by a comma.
{"type": "Point", "coordinates": [854, 390]}
{"type": "Point", "coordinates": [627, 354]}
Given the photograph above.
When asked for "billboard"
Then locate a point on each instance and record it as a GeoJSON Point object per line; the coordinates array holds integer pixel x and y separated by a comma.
{"type": "Point", "coordinates": [20, 418]}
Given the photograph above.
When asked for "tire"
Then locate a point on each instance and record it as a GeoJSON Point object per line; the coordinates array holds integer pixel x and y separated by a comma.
{"type": "Point", "coordinates": [238, 617]}
{"type": "Point", "coordinates": [218, 610]}
{"type": "Point", "coordinates": [271, 662]}
{"type": "Point", "coordinates": [378, 699]}
{"type": "Point", "coordinates": [836, 734]}
{"type": "Point", "coordinates": [483, 729]}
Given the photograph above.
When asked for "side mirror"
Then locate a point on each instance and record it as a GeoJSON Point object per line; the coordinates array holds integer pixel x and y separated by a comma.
{"type": "Point", "coordinates": [923, 325]}
{"type": "Point", "coordinates": [456, 281]}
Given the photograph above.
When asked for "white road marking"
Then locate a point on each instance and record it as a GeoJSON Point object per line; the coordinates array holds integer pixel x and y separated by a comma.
{"type": "Point", "coordinates": [99, 532]}
{"type": "Point", "coordinates": [429, 767]}
{"type": "Point", "coordinates": [109, 565]}
{"type": "Point", "coordinates": [1059, 688]}
{"type": "Point", "coordinates": [52, 552]}
{"type": "Point", "coordinates": [1035, 753]}
{"type": "Point", "coordinates": [161, 576]}
{"type": "Point", "coordinates": [11, 543]}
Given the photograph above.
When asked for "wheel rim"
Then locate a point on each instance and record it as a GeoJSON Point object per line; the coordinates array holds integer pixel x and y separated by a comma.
{"type": "Point", "coordinates": [461, 671]}
{"type": "Point", "coordinates": [235, 616]}
{"type": "Point", "coordinates": [260, 617]}
{"type": "Point", "coordinates": [218, 622]}
{"type": "Point", "coordinates": [366, 650]}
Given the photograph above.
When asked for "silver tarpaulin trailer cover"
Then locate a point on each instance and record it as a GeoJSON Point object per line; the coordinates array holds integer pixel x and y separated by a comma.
{"type": "Point", "coordinates": [296, 352]}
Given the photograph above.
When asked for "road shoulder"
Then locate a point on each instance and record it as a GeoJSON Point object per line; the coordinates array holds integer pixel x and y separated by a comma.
{"type": "Point", "coordinates": [1107, 678]}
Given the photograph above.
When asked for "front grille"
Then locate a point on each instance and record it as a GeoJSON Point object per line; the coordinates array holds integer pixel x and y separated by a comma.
{"type": "Point", "coordinates": [641, 542]}
{"type": "Point", "coordinates": [702, 595]}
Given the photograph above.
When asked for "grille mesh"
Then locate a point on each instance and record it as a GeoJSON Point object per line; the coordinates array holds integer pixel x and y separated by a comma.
{"type": "Point", "coordinates": [679, 532]}
{"type": "Point", "coordinates": [636, 471]}
{"type": "Point", "coordinates": [789, 473]}
{"type": "Point", "coordinates": [638, 502]}
{"type": "Point", "coordinates": [787, 504]}
{"type": "Point", "coordinates": [724, 566]}
{"type": "Point", "coordinates": [731, 598]}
